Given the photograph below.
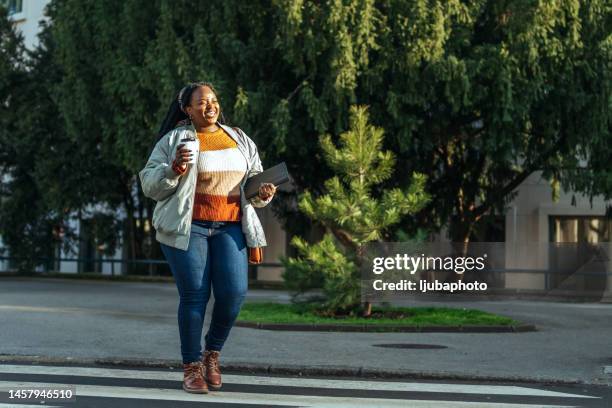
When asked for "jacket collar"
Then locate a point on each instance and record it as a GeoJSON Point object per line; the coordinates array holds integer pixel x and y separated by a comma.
{"type": "Point", "coordinates": [232, 133]}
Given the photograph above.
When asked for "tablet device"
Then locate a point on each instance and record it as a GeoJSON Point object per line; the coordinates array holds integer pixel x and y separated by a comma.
{"type": "Point", "coordinates": [276, 175]}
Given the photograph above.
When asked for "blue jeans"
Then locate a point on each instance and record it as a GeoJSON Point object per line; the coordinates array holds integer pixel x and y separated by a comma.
{"type": "Point", "coordinates": [217, 258]}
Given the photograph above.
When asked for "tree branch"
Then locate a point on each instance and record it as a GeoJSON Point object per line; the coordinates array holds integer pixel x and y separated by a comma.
{"type": "Point", "coordinates": [522, 176]}
{"type": "Point", "coordinates": [289, 97]}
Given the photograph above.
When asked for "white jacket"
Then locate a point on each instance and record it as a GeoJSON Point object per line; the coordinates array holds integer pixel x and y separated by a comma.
{"type": "Point", "coordinates": [175, 193]}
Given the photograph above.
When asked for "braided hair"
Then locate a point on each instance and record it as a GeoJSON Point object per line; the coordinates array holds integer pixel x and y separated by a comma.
{"type": "Point", "coordinates": [177, 112]}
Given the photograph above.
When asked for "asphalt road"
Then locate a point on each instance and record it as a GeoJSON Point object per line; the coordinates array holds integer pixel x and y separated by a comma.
{"type": "Point", "coordinates": [96, 320]}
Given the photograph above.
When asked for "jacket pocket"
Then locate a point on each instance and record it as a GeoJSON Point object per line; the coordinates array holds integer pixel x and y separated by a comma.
{"type": "Point", "coordinates": [166, 217]}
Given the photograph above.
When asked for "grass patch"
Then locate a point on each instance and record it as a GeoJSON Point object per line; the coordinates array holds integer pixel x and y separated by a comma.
{"type": "Point", "coordinates": [266, 312]}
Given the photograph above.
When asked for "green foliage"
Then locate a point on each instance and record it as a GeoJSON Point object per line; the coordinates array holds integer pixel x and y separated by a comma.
{"type": "Point", "coordinates": [477, 95]}
{"type": "Point", "coordinates": [25, 221]}
{"type": "Point", "coordinates": [12, 76]}
{"type": "Point", "coordinates": [491, 92]}
{"type": "Point", "coordinates": [350, 213]}
{"type": "Point", "coordinates": [50, 175]}
{"type": "Point", "coordinates": [323, 265]}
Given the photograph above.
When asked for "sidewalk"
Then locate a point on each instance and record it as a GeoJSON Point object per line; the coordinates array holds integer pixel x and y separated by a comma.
{"type": "Point", "coordinates": [136, 322]}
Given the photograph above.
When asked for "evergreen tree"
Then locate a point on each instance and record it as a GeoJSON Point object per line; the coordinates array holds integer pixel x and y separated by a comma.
{"type": "Point", "coordinates": [350, 213]}
{"type": "Point", "coordinates": [12, 77]}
{"type": "Point", "coordinates": [49, 178]}
{"type": "Point", "coordinates": [24, 223]}
{"type": "Point", "coordinates": [478, 95]}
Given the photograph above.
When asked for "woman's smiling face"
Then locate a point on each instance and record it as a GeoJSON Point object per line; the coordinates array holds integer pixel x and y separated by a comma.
{"type": "Point", "coordinates": [204, 108]}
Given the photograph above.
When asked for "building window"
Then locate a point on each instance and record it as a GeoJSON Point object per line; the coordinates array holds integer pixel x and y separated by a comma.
{"type": "Point", "coordinates": [576, 257]}
{"type": "Point", "coordinates": [13, 6]}
{"type": "Point", "coordinates": [579, 229]}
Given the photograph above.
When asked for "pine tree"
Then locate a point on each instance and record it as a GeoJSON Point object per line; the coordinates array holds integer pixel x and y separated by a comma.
{"type": "Point", "coordinates": [24, 223]}
{"type": "Point", "coordinates": [350, 213]}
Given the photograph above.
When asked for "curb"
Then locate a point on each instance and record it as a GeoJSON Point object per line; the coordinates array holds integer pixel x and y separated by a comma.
{"type": "Point", "coordinates": [287, 369]}
{"type": "Point", "coordinates": [330, 327]}
{"type": "Point", "coordinates": [493, 294]}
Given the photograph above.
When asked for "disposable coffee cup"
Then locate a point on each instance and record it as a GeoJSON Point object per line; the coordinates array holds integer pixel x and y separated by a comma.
{"type": "Point", "coordinates": [194, 147]}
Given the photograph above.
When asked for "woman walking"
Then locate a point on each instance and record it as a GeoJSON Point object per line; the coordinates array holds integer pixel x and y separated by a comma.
{"type": "Point", "coordinates": [205, 226]}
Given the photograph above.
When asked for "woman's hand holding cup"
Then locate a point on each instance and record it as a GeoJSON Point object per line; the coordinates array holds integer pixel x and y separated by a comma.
{"type": "Point", "coordinates": [183, 156]}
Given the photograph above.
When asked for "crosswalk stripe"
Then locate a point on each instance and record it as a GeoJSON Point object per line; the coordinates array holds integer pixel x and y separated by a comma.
{"type": "Point", "coordinates": [2, 405]}
{"type": "Point", "coordinates": [294, 382]}
{"type": "Point", "coordinates": [264, 399]}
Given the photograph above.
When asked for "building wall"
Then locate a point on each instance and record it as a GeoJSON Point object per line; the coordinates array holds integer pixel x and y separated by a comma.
{"type": "Point", "coordinates": [528, 227]}
{"type": "Point", "coordinates": [276, 238]}
{"type": "Point", "coordinates": [27, 21]}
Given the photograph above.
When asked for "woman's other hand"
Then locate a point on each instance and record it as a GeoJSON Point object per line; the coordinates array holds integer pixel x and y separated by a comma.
{"type": "Point", "coordinates": [266, 191]}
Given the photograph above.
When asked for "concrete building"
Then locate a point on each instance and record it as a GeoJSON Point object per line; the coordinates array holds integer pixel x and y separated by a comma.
{"type": "Point", "coordinates": [26, 14]}
{"type": "Point", "coordinates": [545, 245]}
{"type": "Point", "coordinates": [560, 237]}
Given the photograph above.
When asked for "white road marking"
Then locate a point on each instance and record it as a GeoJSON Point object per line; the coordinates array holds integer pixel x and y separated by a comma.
{"type": "Point", "coordinates": [265, 399]}
{"type": "Point", "coordinates": [2, 405]}
{"type": "Point", "coordinates": [293, 382]}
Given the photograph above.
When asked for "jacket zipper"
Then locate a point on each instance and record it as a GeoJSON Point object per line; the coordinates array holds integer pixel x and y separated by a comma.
{"type": "Point", "coordinates": [192, 195]}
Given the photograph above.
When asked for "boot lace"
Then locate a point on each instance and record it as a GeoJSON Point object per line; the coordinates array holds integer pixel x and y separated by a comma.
{"type": "Point", "coordinates": [193, 370]}
{"type": "Point", "coordinates": [212, 361]}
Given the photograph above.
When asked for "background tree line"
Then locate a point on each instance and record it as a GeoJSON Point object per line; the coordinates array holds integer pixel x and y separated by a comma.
{"type": "Point", "coordinates": [476, 95]}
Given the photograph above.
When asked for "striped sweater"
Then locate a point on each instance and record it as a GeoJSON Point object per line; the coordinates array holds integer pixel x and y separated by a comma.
{"type": "Point", "coordinates": [221, 167]}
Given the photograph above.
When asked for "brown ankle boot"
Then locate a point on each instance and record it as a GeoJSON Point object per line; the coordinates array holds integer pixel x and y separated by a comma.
{"type": "Point", "coordinates": [193, 380]}
{"type": "Point", "coordinates": [212, 371]}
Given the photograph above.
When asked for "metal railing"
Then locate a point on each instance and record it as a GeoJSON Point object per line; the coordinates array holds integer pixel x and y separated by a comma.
{"type": "Point", "coordinates": [150, 263]}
